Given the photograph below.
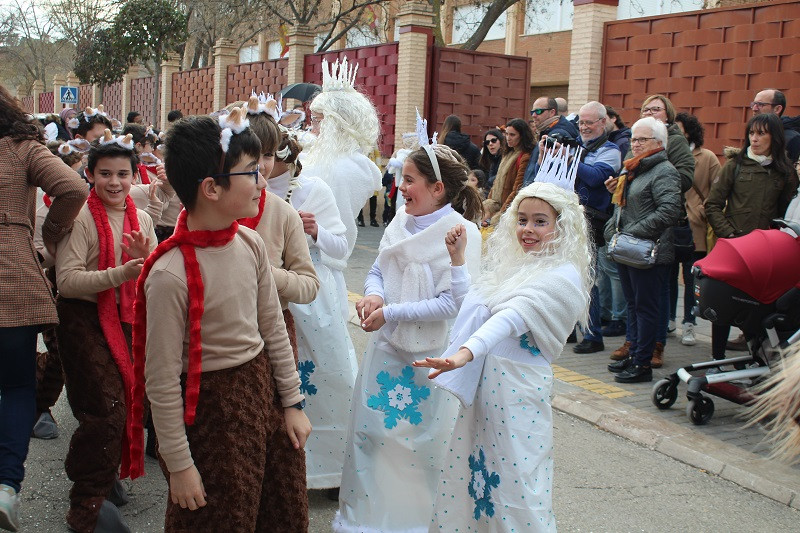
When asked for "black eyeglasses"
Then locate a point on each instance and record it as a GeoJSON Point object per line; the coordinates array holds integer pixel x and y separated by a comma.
{"type": "Point", "coordinates": [539, 110]}
{"type": "Point", "coordinates": [487, 142]}
{"type": "Point", "coordinates": [253, 173]}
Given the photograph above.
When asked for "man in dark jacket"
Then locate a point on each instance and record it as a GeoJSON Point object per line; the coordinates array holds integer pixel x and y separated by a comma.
{"type": "Point", "coordinates": [547, 121]}
{"type": "Point", "coordinates": [774, 101]}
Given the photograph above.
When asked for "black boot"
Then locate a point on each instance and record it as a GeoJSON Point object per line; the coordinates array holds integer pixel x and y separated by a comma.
{"type": "Point", "coordinates": [635, 374]}
{"type": "Point", "coordinates": [110, 520]}
{"type": "Point", "coordinates": [620, 366]}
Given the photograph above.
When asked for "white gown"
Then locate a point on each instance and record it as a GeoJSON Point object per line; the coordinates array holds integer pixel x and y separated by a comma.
{"type": "Point", "coordinates": [400, 428]}
{"type": "Point", "coordinates": [327, 359]}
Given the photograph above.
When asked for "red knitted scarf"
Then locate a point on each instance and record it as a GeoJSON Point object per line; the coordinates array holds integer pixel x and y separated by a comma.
{"type": "Point", "coordinates": [109, 315]}
{"type": "Point", "coordinates": [187, 241]}
{"type": "Point", "coordinates": [143, 175]}
{"type": "Point", "coordinates": [252, 222]}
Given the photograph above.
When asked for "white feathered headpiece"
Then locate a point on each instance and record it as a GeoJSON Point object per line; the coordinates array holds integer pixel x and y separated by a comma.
{"type": "Point", "coordinates": [109, 138]}
{"type": "Point", "coordinates": [559, 167]}
{"type": "Point", "coordinates": [340, 76]}
{"type": "Point", "coordinates": [232, 124]}
{"type": "Point", "coordinates": [428, 144]}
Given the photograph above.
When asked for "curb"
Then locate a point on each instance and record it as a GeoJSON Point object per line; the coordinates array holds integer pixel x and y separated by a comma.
{"type": "Point", "coordinates": [746, 469]}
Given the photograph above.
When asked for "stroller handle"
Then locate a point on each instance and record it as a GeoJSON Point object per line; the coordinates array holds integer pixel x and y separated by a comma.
{"type": "Point", "coordinates": [779, 223]}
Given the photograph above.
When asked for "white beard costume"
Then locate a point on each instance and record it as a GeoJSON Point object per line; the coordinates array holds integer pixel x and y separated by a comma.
{"type": "Point", "coordinates": [327, 359]}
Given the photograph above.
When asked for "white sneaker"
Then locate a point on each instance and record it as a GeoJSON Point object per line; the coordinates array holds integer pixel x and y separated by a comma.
{"type": "Point", "coordinates": [9, 508]}
{"type": "Point", "coordinates": [688, 338]}
{"type": "Point", "coordinates": [671, 326]}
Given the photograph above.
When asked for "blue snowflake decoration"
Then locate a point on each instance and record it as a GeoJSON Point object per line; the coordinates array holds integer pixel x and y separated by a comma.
{"type": "Point", "coordinates": [525, 344]}
{"type": "Point", "coordinates": [399, 397]}
{"type": "Point", "coordinates": [306, 368]}
{"type": "Point", "coordinates": [481, 483]}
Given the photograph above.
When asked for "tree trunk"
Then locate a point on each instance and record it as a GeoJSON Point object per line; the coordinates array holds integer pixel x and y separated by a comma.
{"type": "Point", "coordinates": [496, 8]}
{"type": "Point", "coordinates": [156, 92]}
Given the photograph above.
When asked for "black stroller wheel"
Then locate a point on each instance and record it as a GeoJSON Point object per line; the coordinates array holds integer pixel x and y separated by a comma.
{"type": "Point", "coordinates": [700, 410]}
{"type": "Point", "coordinates": [664, 394]}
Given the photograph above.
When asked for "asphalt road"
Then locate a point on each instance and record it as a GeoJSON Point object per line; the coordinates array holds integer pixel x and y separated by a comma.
{"type": "Point", "coordinates": [602, 482]}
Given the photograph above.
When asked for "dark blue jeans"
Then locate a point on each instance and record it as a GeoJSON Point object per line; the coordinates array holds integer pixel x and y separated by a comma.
{"type": "Point", "coordinates": [594, 332]}
{"type": "Point", "coordinates": [17, 400]}
{"type": "Point", "coordinates": [643, 290]}
{"type": "Point", "coordinates": [688, 289]}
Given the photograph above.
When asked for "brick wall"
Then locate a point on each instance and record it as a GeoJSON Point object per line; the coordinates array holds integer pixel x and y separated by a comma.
{"type": "Point", "coordinates": [710, 63]}
{"type": "Point", "coordinates": [549, 53]}
{"type": "Point", "coordinates": [266, 76]}
{"type": "Point", "coordinates": [142, 92]}
{"type": "Point", "coordinates": [46, 102]}
{"type": "Point", "coordinates": [193, 91]}
{"type": "Point", "coordinates": [376, 77]}
{"type": "Point", "coordinates": [484, 90]}
{"type": "Point", "coordinates": [112, 100]}
{"type": "Point", "coordinates": [27, 104]}
{"type": "Point", "coordinates": [84, 96]}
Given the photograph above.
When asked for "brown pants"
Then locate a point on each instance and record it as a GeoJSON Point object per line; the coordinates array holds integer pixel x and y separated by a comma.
{"type": "Point", "coordinates": [49, 376]}
{"type": "Point", "coordinates": [254, 479]}
{"type": "Point", "coordinates": [291, 330]}
{"type": "Point", "coordinates": [97, 399]}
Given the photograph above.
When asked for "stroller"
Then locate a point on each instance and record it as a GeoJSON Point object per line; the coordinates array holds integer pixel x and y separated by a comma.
{"type": "Point", "coordinates": [753, 283]}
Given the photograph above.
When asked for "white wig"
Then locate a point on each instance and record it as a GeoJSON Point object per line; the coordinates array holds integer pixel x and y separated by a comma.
{"type": "Point", "coordinates": [350, 125]}
{"type": "Point", "coordinates": [658, 128]}
{"type": "Point", "coordinates": [507, 266]}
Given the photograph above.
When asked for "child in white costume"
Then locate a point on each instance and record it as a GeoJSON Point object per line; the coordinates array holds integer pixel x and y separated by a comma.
{"type": "Point", "coordinates": [513, 323]}
{"type": "Point", "coordinates": [348, 128]}
{"type": "Point", "coordinates": [400, 425]}
{"type": "Point", "coordinates": [327, 359]}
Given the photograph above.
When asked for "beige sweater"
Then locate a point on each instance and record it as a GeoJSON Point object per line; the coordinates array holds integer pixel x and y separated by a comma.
{"type": "Point", "coordinates": [242, 315]}
{"type": "Point", "coordinates": [282, 231]}
{"type": "Point", "coordinates": [77, 255]}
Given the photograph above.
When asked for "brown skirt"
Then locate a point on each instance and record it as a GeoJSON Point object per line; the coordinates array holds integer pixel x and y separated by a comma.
{"type": "Point", "coordinates": [254, 479]}
{"type": "Point", "coordinates": [291, 330]}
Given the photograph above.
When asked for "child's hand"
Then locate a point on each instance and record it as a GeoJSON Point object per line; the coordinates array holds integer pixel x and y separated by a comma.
{"type": "Point", "coordinates": [456, 242]}
{"type": "Point", "coordinates": [611, 184]}
{"type": "Point", "coordinates": [309, 224]}
{"type": "Point", "coordinates": [138, 246]}
{"type": "Point", "coordinates": [374, 321]}
{"type": "Point", "coordinates": [457, 360]}
{"type": "Point", "coordinates": [163, 182]}
{"type": "Point", "coordinates": [366, 305]}
{"type": "Point", "coordinates": [186, 489]}
{"type": "Point", "coordinates": [297, 426]}
{"type": "Point", "coordinates": [133, 268]}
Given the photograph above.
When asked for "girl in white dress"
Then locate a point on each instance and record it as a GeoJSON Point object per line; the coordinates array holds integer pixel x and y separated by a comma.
{"type": "Point", "coordinates": [401, 425]}
{"type": "Point", "coordinates": [327, 359]}
{"type": "Point", "coordinates": [498, 473]}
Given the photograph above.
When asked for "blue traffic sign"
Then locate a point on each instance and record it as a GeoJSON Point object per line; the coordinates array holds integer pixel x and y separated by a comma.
{"type": "Point", "coordinates": [69, 95]}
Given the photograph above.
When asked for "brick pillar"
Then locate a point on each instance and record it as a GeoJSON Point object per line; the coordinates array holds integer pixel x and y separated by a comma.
{"type": "Point", "coordinates": [225, 54]}
{"type": "Point", "coordinates": [97, 96]}
{"type": "Point", "coordinates": [301, 43]}
{"type": "Point", "coordinates": [168, 68]}
{"type": "Point", "coordinates": [415, 21]}
{"type": "Point", "coordinates": [58, 81]}
{"type": "Point", "coordinates": [37, 89]}
{"type": "Point", "coordinates": [135, 72]}
{"type": "Point", "coordinates": [586, 53]}
{"type": "Point", "coordinates": [514, 15]}
{"type": "Point", "coordinates": [263, 46]}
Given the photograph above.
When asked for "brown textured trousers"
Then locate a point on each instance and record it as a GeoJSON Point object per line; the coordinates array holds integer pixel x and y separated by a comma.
{"type": "Point", "coordinates": [97, 400]}
{"type": "Point", "coordinates": [254, 479]}
{"type": "Point", "coordinates": [49, 376]}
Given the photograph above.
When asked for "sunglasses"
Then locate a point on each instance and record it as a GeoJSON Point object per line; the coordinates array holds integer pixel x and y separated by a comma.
{"type": "Point", "coordinates": [539, 110]}
{"type": "Point", "coordinates": [487, 142]}
{"type": "Point", "coordinates": [253, 173]}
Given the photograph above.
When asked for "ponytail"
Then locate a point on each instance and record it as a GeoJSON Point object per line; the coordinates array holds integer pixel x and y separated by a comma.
{"type": "Point", "coordinates": [468, 202]}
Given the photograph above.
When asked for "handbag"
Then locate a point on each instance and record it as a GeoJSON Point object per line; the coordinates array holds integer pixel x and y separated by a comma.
{"type": "Point", "coordinates": [625, 249]}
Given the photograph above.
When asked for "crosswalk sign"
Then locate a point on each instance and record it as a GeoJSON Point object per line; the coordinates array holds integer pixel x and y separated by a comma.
{"type": "Point", "coordinates": [69, 95]}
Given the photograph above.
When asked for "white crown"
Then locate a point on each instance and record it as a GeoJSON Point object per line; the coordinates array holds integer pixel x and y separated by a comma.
{"type": "Point", "coordinates": [340, 76]}
{"type": "Point", "coordinates": [557, 169]}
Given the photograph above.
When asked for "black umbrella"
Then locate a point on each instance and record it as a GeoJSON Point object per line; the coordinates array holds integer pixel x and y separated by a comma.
{"type": "Point", "coordinates": [301, 91]}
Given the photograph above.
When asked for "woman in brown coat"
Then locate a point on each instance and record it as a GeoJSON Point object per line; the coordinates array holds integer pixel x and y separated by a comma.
{"type": "Point", "coordinates": [26, 303]}
{"type": "Point", "coordinates": [519, 139]}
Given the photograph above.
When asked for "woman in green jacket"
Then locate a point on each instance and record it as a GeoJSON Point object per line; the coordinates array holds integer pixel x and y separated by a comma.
{"type": "Point", "coordinates": [754, 187]}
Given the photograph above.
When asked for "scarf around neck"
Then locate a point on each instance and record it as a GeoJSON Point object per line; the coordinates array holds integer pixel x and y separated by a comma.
{"type": "Point", "coordinates": [110, 316]}
{"type": "Point", "coordinates": [763, 160]}
{"type": "Point", "coordinates": [187, 241]}
{"type": "Point", "coordinates": [593, 145]}
{"type": "Point", "coordinates": [627, 175]}
{"type": "Point", "coordinates": [252, 222]}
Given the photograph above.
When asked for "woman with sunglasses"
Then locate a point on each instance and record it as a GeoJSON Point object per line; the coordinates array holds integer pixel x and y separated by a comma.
{"type": "Point", "coordinates": [494, 147]}
{"type": "Point", "coordinates": [519, 139]}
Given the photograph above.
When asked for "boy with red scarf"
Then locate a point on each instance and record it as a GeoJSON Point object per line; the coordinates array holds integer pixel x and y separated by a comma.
{"type": "Point", "coordinates": [227, 410]}
{"type": "Point", "coordinates": [97, 267]}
